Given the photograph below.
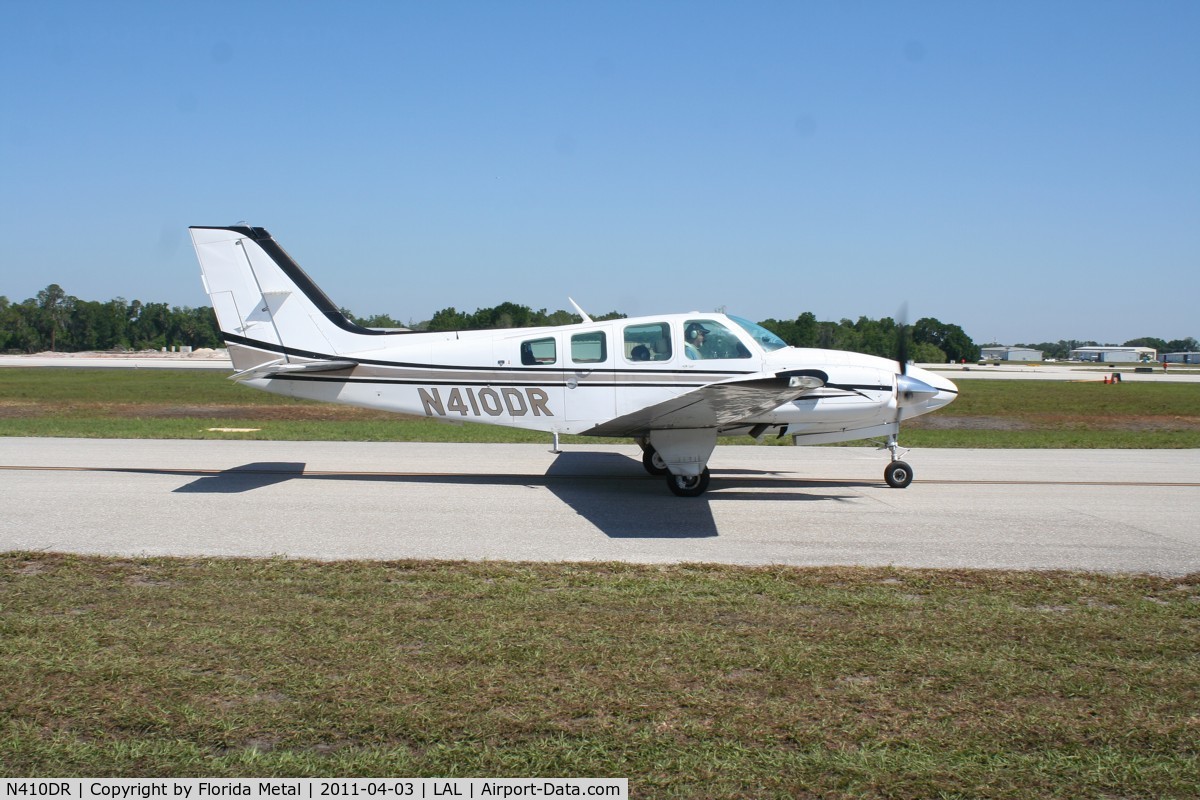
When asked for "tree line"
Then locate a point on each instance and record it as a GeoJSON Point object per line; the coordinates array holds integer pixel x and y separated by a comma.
{"type": "Point", "coordinates": [55, 320]}
{"type": "Point", "coordinates": [929, 340]}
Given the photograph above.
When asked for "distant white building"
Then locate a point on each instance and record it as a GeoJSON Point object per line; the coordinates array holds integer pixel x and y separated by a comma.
{"type": "Point", "coordinates": [1010, 354]}
{"type": "Point", "coordinates": [1114, 355]}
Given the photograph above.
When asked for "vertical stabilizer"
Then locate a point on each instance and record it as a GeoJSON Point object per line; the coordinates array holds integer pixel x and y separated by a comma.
{"type": "Point", "coordinates": [267, 307]}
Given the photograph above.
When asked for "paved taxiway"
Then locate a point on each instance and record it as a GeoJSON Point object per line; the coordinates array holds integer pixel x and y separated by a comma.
{"type": "Point", "coordinates": [1105, 510]}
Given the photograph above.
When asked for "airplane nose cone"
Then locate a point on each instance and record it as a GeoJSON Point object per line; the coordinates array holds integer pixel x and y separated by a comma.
{"type": "Point", "coordinates": [930, 390]}
{"type": "Point", "coordinates": [911, 390]}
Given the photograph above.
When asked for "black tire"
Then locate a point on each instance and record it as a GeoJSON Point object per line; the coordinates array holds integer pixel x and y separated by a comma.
{"type": "Point", "coordinates": [688, 485]}
{"type": "Point", "coordinates": [653, 462]}
{"type": "Point", "coordinates": [898, 474]}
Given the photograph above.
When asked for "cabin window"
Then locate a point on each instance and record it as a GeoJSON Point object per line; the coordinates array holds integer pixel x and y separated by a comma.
{"type": "Point", "coordinates": [539, 352]}
{"type": "Point", "coordinates": [706, 338]}
{"type": "Point", "coordinates": [589, 348]}
{"type": "Point", "coordinates": [650, 342]}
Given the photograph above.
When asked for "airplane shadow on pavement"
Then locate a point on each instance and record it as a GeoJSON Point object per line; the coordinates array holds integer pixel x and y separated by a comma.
{"type": "Point", "coordinates": [631, 504]}
{"type": "Point", "coordinates": [615, 494]}
{"type": "Point", "coordinates": [609, 490]}
{"type": "Point", "coordinates": [245, 478]}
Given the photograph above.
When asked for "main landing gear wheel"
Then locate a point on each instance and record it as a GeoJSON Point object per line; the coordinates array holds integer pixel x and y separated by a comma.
{"type": "Point", "coordinates": [688, 485]}
{"type": "Point", "coordinates": [898, 474]}
{"type": "Point", "coordinates": [653, 462]}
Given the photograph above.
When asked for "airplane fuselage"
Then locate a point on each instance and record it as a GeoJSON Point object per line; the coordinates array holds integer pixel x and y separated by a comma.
{"type": "Point", "coordinates": [673, 382]}
{"type": "Point", "coordinates": [579, 380]}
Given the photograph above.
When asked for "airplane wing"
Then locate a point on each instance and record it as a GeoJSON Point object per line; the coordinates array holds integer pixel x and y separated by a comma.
{"type": "Point", "coordinates": [717, 405]}
{"type": "Point", "coordinates": [281, 367]}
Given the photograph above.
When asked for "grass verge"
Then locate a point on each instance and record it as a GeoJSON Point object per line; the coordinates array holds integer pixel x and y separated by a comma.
{"type": "Point", "coordinates": [188, 404]}
{"type": "Point", "coordinates": [693, 681]}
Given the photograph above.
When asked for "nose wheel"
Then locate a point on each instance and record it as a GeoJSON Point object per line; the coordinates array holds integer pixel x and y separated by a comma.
{"type": "Point", "coordinates": [898, 474]}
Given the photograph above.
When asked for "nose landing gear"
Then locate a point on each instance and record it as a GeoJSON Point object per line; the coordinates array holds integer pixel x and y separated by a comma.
{"type": "Point", "coordinates": [898, 474]}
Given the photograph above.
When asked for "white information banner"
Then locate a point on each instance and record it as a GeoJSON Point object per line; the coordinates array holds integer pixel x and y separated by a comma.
{"type": "Point", "coordinates": [308, 788]}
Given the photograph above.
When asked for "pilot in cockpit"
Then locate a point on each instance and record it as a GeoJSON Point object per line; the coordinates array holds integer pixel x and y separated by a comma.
{"type": "Point", "coordinates": [693, 340]}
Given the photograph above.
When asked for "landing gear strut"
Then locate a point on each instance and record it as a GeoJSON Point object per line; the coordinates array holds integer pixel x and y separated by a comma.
{"type": "Point", "coordinates": [898, 473]}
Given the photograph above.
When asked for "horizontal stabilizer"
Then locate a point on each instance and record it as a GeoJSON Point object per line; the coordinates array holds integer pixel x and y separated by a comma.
{"type": "Point", "coordinates": [281, 367]}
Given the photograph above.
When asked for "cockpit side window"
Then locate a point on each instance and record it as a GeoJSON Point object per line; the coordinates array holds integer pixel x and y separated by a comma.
{"type": "Point", "coordinates": [706, 338]}
{"type": "Point", "coordinates": [767, 340]}
{"type": "Point", "coordinates": [650, 342]}
{"type": "Point", "coordinates": [539, 352]}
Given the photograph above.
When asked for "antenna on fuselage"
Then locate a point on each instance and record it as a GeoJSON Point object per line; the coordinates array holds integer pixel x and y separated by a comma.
{"type": "Point", "coordinates": [582, 313]}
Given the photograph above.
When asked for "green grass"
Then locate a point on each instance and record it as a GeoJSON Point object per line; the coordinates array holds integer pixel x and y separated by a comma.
{"type": "Point", "coordinates": [108, 386]}
{"type": "Point", "coordinates": [1031, 399]}
{"type": "Point", "coordinates": [185, 404]}
{"type": "Point", "coordinates": [392, 430]}
{"type": "Point", "coordinates": [1064, 438]}
{"type": "Point", "coordinates": [692, 681]}
{"type": "Point", "coordinates": [1056, 414]}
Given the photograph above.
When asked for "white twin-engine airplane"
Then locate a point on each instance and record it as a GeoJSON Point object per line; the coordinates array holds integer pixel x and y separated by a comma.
{"type": "Point", "coordinates": [673, 382]}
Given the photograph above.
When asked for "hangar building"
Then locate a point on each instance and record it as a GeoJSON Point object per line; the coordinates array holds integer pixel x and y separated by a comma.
{"type": "Point", "coordinates": [1010, 354]}
{"type": "Point", "coordinates": [1114, 355]}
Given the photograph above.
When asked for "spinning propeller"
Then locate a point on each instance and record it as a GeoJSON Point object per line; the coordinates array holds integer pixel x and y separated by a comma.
{"type": "Point", "coordinates": [908, 389]}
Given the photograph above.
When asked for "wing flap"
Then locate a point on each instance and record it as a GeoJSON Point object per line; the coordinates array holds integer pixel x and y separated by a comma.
{"type": "Point", "coordinates": [717, 405]}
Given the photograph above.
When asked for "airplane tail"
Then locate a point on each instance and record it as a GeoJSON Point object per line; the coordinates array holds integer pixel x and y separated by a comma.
{"type": "Point", "coordinates": [268, 309]}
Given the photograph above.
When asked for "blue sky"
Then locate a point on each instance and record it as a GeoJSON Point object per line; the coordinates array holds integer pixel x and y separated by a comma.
{"type": "Point", "coordinates": [1028, 170]}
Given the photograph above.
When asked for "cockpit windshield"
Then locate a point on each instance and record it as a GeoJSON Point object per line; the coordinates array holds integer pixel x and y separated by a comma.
{"type": "Point", "coordinates": [758, 333]}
